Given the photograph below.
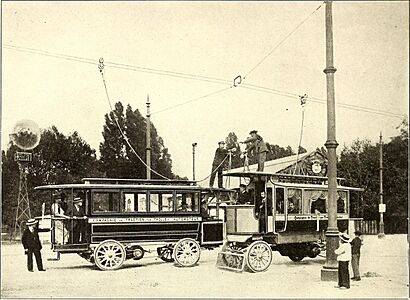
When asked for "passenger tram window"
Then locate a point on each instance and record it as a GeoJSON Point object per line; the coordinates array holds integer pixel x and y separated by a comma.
{"type": "Point", "coordinates": [161, 201]}
{"type": "Point", "coordinates": [134, 202]}
{"type": "Point", "coordinates": [294, 201]}
{"type": "Point", "coordinates": [106, 202]}
{"type": "Point", "coordinates": [316, 200]}
{"type": "Point", "coordinates": [341, 201]}
{"type": "Point", "coordinates": [280, 200]}
{"type": "Point", "coordinates": [187, 202]}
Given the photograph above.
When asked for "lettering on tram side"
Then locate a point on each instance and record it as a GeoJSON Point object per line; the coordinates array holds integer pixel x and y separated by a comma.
{"type": "Point", "coordinates": [314, 217]}
{"type": "Point", "coordinates": [143, 219]}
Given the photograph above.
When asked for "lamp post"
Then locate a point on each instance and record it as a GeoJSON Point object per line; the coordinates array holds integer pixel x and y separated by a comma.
{"type": "Point", "coordinates": [148, 138]}
{"type": "Point", "coordinates": [329, 271]}
{"type": "Point", "coordinates": [193, 160]}
{"type": "Point", "coordinates": [382, 206]}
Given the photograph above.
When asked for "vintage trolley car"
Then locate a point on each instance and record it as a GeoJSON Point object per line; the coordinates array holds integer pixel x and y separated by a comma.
{"type": "Point", "coordinates": [284, 213]}
{"type": "Point", "coordinates": [107, 221]}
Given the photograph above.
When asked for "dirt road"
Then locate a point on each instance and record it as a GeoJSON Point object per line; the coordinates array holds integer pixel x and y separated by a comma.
{"type": "Point", "coordinates": [150, 277]}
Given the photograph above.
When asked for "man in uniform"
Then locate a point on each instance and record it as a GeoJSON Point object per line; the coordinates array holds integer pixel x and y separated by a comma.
{"type": "Point", "coordinates": [256, 142]}
{"type": "Point", "coordinates": [77, 223]}
{"type": "Point", "coordinates": [32, 245]}
{"type": "Point", "coordinates": [218, 164]}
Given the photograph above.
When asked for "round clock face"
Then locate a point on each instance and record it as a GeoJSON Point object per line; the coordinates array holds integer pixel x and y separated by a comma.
{"type": "Point", "coordinates": [316, 168]}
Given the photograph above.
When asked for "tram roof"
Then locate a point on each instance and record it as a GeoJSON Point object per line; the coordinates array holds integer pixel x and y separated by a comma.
{"type": "Point", "coordinates": [139, 181]}
{"type": "Point", "coordinates": [277, 175]}
{"type": "Point", "coordinates": [316, 186]}
{"type": "Point", "coordinates": [130, 187]}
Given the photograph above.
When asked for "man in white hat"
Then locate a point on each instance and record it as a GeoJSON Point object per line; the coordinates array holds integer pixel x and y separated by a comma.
{"type": "Point", "coordinates": [32, 245]}
{"type": "Point", "coordinates": [344, 254]}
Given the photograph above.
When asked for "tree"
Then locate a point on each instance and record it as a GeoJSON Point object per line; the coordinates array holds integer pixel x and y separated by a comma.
{"type": "Point", "coordinates": [118, 159]}
{"type": "Point", "coordinates": [57, 159]}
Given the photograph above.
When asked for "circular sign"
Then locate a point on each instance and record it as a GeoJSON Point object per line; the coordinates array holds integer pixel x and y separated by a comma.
{"type": "Point", "coordinates": [316, 167]}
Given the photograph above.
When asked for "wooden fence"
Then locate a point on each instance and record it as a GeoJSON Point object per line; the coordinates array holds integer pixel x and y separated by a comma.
{"type": "Point", "coordinates": [366, 226]}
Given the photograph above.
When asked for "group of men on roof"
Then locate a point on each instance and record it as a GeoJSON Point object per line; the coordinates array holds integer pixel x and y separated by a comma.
{"type": "Point", "coordinates": [254, 143]}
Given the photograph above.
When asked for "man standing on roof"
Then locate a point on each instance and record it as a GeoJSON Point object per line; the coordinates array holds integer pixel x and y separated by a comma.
{"type": "Point", "coordinates": [218, 164]}
{"type": "Point", "coordinates": [257, 143]}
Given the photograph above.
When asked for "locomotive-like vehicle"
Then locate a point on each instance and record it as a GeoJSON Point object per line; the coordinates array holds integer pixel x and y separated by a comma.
{"type": "Point", "coordinates": [108, 221]}
{"type": "Point", "coordinates": [284, 213]}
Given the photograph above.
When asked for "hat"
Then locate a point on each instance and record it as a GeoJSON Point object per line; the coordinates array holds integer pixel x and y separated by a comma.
{"type": "Point", "coordinates": [253, 131]}
{"type": "Point", "coordinates": [31, 222]}
{"type": "Point", "coordinates": [358, 232]}
{"type": "Point", "coordinates": [57, 195]}
{"type": "Point", "coordinates": [242, 185]}
{"type": "Point", "coordinates": [344, 237]}
{"type": "Point", "coordinates": [221, 142]}
{"type": "Point", "coordinates": [77, 200]}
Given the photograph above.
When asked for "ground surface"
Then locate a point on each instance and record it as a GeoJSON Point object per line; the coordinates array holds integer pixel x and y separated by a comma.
{"type": "Point", "coordinates": [150, 277]}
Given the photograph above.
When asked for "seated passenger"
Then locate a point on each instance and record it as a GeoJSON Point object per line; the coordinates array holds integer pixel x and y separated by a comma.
{"type": "Point", "coordinates": [292, 208]}
{"type": "Point", "coordinates": [243, 196]}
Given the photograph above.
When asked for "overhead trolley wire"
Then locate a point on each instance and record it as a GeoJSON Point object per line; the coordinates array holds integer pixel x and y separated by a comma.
{"type": "Point", "coordinates": [197, 77]}
{"type": "Point", "coordinates": [282, 41]}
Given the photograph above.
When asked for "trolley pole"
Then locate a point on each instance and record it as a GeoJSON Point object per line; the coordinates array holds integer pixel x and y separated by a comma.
{"type": "Point", "coordinates": [381, 206]}
{"type": "Point", "coordinates": [193, 160]}
{"type": "Point", "coordinates": [329, 271]}
{"type": "Point", "coordinates": [148, 160]}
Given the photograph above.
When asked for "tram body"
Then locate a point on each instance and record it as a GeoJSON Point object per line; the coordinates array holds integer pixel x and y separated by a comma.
{"type": "Point", "coordinates": [123, 219]}
{"type": "Point", "coordinates": [292, 219]}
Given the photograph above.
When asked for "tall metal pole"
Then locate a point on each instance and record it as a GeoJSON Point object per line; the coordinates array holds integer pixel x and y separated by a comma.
{"type": "Point", "coordinates": [329, 271]}
{"type": "Point", "coordinates": [148, 162]}
{"type": "Point", "coordinates": [381, 208]}
{"type": "Point", "coordinates": [193, 160]}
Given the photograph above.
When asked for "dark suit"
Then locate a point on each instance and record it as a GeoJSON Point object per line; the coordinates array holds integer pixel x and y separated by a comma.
{"type": "Point", "coordinates": [32, 245]}
{"type": "Point", "coordinates": [76, 225]}
{"type": "Point", "coordinates": [243, 198]}
{"type": "Point", "coordinates": [259, 145]}
{"type": "Point", "coordinates": [217, 166]}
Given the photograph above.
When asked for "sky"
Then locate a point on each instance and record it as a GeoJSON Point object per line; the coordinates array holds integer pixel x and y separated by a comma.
{"type": "Point", "coordinates": [211, 39]}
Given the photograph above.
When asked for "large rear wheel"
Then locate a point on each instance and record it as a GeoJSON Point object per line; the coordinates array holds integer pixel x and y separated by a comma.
{"type": "Point", "coordinates": [187, 252]}
{"type": "Point", "coordinates": [109, 255]}
{"type": "Point", "coordinates": [259, 256]}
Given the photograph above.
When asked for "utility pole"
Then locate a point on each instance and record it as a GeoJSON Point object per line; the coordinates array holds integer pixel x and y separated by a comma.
{"type": "Point", "coordinates": [382, 207]}
{"type": "Point", "coordinates": [193, 160]}
{"type": "Point", "coordinates": [329, 271]}
{"type": "Point", "coordinates": [148, 162]}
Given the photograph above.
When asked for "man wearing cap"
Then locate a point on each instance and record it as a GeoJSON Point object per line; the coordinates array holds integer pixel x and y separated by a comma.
{"type": "Point", "coordinates": [356, 245]}
{"type": "Point", "coordinates": [218, 164]}
{"type": "Point", "coordinates": [76, 212]}
{"type": "Point", "coordinates": [243, 197]}
{"type": "Point", "coordinates": [256, 142]}
{"type": "Point", "coordinates": [32, 245]}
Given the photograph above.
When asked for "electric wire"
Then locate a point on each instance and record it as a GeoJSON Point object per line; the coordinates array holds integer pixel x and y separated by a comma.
{"type": "Point", "coordinates": [281, 42]}
{"type": "Point", "coordinates": [216, 169]}
{"type": "Point", "coordinates": [123, 134]}
{"type": "Point", "coordinates": [198, 77]}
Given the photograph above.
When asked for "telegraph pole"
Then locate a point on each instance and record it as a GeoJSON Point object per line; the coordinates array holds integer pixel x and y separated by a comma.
{"type": "Point", "coordinates": [193, 160]}
{"type": "Point", "coordinates": [329, 271]}
{"type": "Point", "coordinates": [381, 206]}
{"type": "Point", "coordinates": [148, 162]}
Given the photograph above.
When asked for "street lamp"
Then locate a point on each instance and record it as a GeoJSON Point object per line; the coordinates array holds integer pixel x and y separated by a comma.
{"type": "Point", "coordinates": [193, 160]}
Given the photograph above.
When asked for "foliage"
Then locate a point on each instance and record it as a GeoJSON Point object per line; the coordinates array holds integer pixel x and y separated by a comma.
{"type": "Point", "coordinates": [118, 160]}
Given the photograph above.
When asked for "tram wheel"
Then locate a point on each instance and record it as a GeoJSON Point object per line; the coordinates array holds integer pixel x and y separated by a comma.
{"type": "Point", "coordinates": [187, 252]}
{"type": "Point", "coordinates": [233, 261]}
{"type": "Point", "coordinates": [109, 255]}
{"type": "Point", "coordinates": [259, 256]}
{"type": "Point", "coordinates": [166, 253]}
{"type": "Point", "coordinates": [296, 258]}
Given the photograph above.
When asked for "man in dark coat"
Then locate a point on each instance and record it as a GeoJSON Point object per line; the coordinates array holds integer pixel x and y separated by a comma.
{"type": "Point", "coordinates": [256, 142]}
{"type": "Point", "coordinates": [243, 196]}
{"type": "Point", "coordinates": [218, 164]}
{"type": "Point", "coordinates": [77, 223]}
{"type": "Point", "coordinates": [32, 245]}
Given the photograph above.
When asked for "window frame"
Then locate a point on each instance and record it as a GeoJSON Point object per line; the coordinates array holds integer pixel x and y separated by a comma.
{"type": "Point", "coordinates": [112, 191]}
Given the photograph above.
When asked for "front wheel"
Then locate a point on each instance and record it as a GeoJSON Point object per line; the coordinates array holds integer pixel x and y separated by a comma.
{"type": "Point", "coordinates": [187, 252]}
{"type": "Point", "coordinates": [259, 256]}
{"type": "Point", "coordinates": [109, 255]}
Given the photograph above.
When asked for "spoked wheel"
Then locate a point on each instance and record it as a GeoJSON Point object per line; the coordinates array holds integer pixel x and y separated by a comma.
{"type": "Point", "coordinates": [187, 252]}
{"type": "Point", "coordinates": [259, 256]}
{"type": "Point", "coordinates": [296, 258]}
{"type": "Point", "coordinates": [165, 253]}
{"type": "Point", "coordinates": [109, 255]}
{"type": "Point", "coordinates": [234, 260]}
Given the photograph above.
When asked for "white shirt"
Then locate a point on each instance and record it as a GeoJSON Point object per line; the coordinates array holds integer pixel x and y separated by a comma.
{"type": "Point", "coordinates": [344, 252]}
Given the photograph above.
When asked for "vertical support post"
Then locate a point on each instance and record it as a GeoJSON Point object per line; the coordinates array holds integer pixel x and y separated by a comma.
{"type": "Point", "coordinates": [193, 160]}
{"type": "Point", "coordinates": [148, 138]}
{"type": "Point", "coordinates": [381, 224]}
{"type": "Point", "coordinates": [329, 271]}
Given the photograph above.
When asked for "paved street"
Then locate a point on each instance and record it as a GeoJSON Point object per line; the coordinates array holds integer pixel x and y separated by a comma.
{"type": "Point", "coordinates": [74, 277]}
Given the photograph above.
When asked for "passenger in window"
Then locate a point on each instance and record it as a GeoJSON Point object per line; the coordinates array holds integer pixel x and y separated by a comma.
{"type": "Point", "coordinates": [183, 207]}
{"type": "Point", "coordinates": [244, 196]}
{"type": "Point", "coordinates": [292, 208]}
